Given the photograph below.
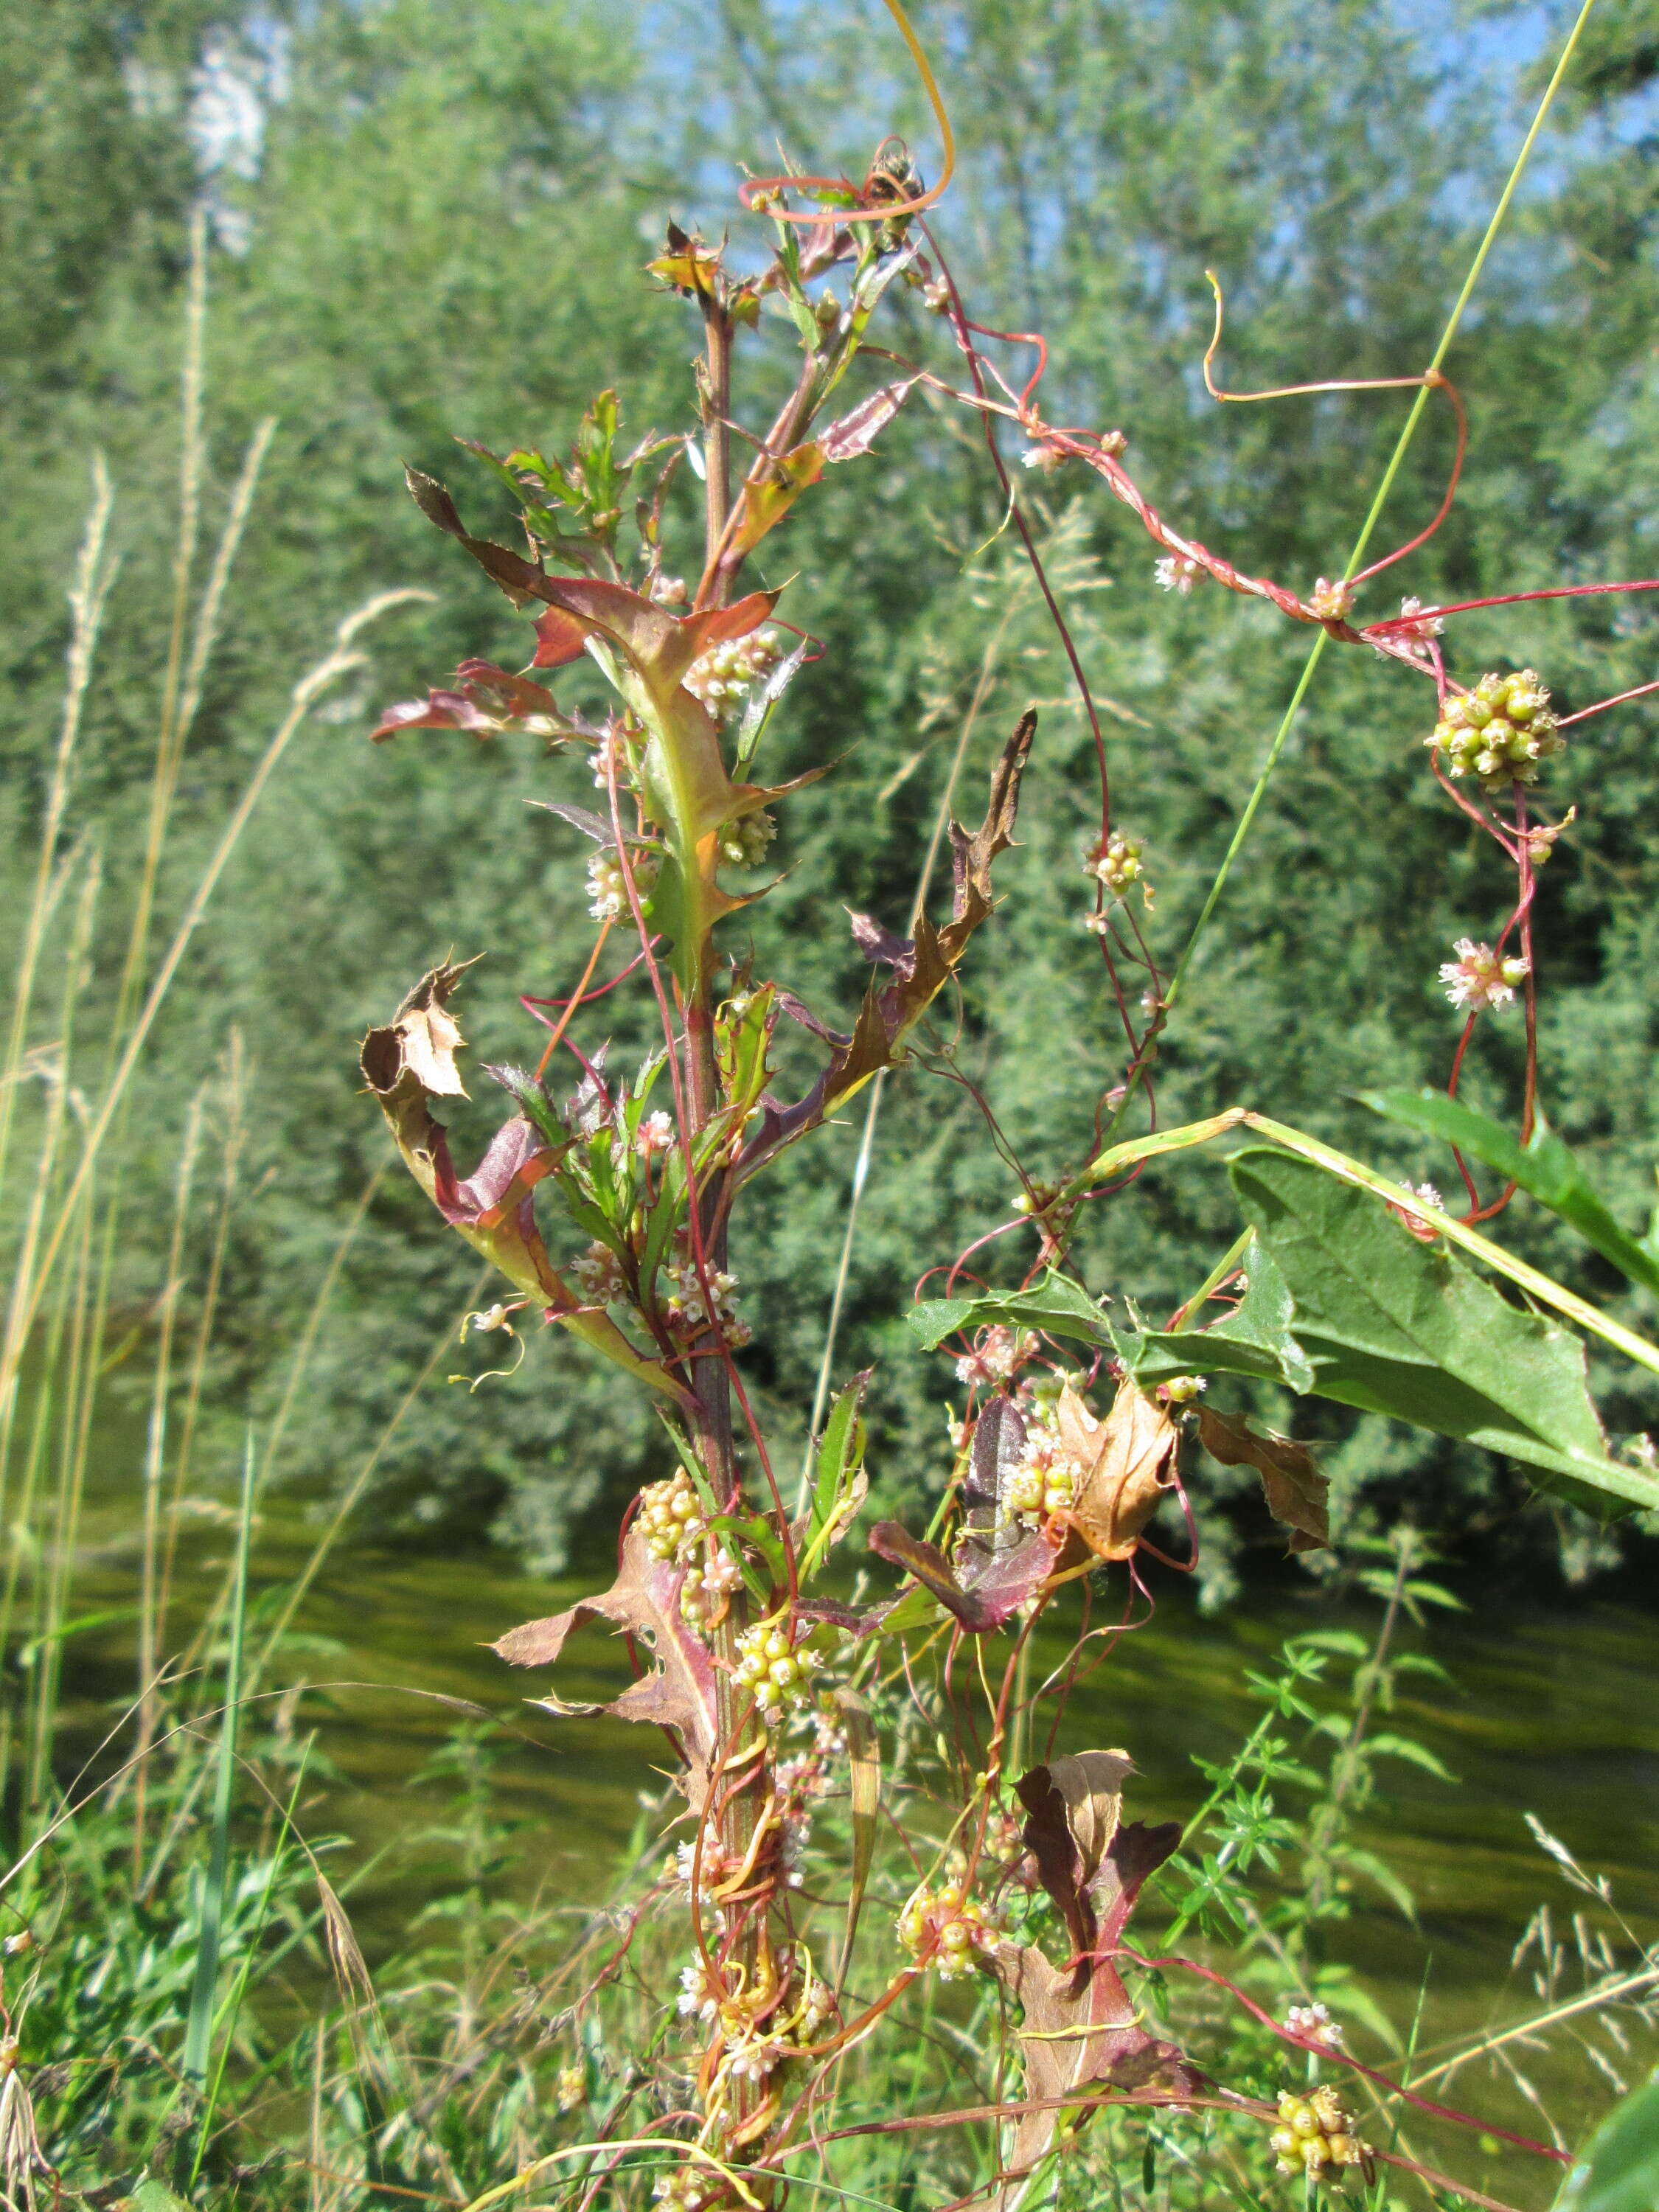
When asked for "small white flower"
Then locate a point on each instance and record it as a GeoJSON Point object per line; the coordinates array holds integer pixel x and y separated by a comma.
{"type": "Point", "coordinates": [1331, 599]}
{"type": "Point", "coordinates": [1045, 459]}
{"type": "Point", "coordinates": [1414, 623]}
{"type": "Point", "coordinates": [996, 1356]}
{"type": "Point", "coordinates": [1178, 572]}
{"type": "Point", "coordinates": [1315, 2022]}
{"type": "Point", "coordinates": [655, 1134]}
{"type": "Point", "coordinates": [1478, 980]}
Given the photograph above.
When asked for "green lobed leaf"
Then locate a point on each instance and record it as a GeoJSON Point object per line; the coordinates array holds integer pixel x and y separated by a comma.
{"type": "Point", "coordinates": [1546, 1169]}
{"type": "Point", "coordinates": [1397, 1327]}
{"type": "Point", "coordinates": [1618, 2171]}
{"type": "Point", "coordinates": [1057, 1304]}
{"type": "Point", "coordinates": [1254, 1339]}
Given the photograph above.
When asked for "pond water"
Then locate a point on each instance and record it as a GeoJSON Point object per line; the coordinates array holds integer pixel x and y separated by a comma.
{"type": "Point", "coordinates": [1550, 1710]}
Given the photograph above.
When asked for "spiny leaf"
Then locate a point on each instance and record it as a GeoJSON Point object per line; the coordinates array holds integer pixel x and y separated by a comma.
{"type": "Point", "coordinates": [677, 1693]}
{"type": "Point", "coordinates": [1254, 1338]}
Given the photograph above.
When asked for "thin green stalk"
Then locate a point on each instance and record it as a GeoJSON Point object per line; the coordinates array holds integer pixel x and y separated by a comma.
{"type": "Point", "coordinates": [24, 1274]}
{"type": "Point", "coordinates": [54, 1587]}
{"type": "Point", "coordinates": [155, 1455]}
{"type": "Point", "coordinates": [225, 2023]}
{"type": "Point", "coordinates": [199, 2032]}
{"type": "Point", "coordinates": [1253, 804]}
{"type": "Point", "coordinates": [234, 1091]}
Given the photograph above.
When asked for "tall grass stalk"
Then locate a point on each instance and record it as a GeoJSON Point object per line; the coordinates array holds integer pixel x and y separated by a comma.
{"type": "Point", "coordinates": [234, 1093]}
{"type": "Point", "coordinates": [339, 661]}
{"type": "Point", "coordinates": [154, 1457]}
{"type": "Point", "coordinates": [199, 2029]}
{"type": "Point", "coordinates": [87, 597]}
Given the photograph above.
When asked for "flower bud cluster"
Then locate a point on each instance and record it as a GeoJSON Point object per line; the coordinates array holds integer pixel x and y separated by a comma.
{"type": "Point", "coordinates": [1182, 1389]}
{"type": "Point", "coordinates": [688, 1309]}
{"type": "Point", "coordinates": [1499, 731]}
{"type": "Point", "coordinates": [1314, 2020]}
{"type": "Point", "coordinates": [690, 2188]}
{"type": "Point", "coordinates": [599, 1276]}
{"type": "Point", "coordinates": [704, 1592]}
{"type": "Point", "coordinates": [743, 843]}
{"type": "Point", "coordinates": [1314, 2132]}
{"type": "Point", "coordinates": [611, 757]}
{"type": "Point", "coordinates": [721, 676]}
{"type": "Point", "coordinates": [945, 1927]}
{"type": "Point", "coordinates": [572, 2087]}
{"type": "Point", "coordinates": [1045, 1478]}
{"type": "Point", "coordinates": [777, 1666]}
{"type": "Point", "coordinates": [672, 1519]}
{"type": "Point", "coordinates": [1115, 862]}
{"type": "Point", "coordinates": [607, 890]}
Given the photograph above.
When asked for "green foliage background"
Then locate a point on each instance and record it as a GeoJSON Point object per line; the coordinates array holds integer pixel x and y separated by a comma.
{"type": "Point", "coordinates": [442, 229]}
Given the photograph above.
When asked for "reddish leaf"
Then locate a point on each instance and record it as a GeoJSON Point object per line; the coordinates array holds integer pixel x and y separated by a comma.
{"type": "Point", "coordinates": [991, 1586]}
{"type": "Point", "coordinates": [1296, 1491]}
{"type": "Point", "coordinates": [856, 433]}
{"type": "Point", "coordinates": [678, 1693]}
{"type": "Point", "coordinates": [439, 710]}
{"type": "Point", "coordinates": [519, 696]}
{"type": "Point", "coordinates": [1079, 2026]}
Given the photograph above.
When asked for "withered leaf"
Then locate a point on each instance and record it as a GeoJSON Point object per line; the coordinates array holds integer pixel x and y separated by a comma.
{"type": "Point", "coordinates": [1125, 1459]}
{"type": "Point", "coordinates": [999, 1441]}
{"type": "Point", "coordinates": [1296, 1491]}
{"type": "Point", "coordinates": [855, 433]}
{"type": "Point", "coordinates": [678, 1693]}
{"type": "Point", "coordinates": [1079, 2027]}
{"type": "Point", "coordinates": [1074, 1805]}
{"type": "Point", "coordinates": [439, 710]}
{"type": "Point", "coordinates": [422, 1038]}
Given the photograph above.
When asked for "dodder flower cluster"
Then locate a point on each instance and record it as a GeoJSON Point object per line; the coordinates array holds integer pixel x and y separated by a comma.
{"type": "Point", "coordinates": [1314, 2132]}
{"type": "Point", "coordinates": [945, 1927]}
{"type": "Point", "coordinates": [1478, 980]}
{"type": "Point", "coordinates": [1500, 732]}
{"type": "Point", "coordinates": [777, 1666]}
{"type": "Point", "coordinates": [724, 675]}
{"type": "Point", "coordinates": [607, 890]}
{"type": "Point", "coordinates": [1045, 1478]}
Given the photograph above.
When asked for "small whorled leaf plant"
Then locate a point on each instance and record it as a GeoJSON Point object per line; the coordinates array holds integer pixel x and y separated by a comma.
{"type": "Point", "coordinates": [1342, 1284]}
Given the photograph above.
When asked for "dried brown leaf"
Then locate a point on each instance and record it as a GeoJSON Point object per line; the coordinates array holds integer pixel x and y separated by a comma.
{"type": "Point", "coordinates": [1296, 1491]}
{"type": "Point", "coordinates": [1125, 1460]}
{"type": "Point", "coordinates": [1080, 2028]}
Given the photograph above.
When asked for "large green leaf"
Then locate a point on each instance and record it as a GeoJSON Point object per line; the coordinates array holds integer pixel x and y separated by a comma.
{"type": "Point", "coordinates": [1544, 1168]}
{"type": "Point", "coordinates": [1397, 1327]}
{"type": "Point", "coordinates": [1618, 2171]}
{"type": "Point", "coordinates": [1057, 1304]}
